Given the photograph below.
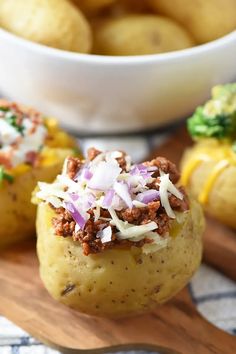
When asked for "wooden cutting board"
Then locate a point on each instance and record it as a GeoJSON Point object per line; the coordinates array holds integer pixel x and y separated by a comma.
{"type": "Point", "coordinates": [174, 328]}
{"type": "Point", "coordinates": [219, 240]}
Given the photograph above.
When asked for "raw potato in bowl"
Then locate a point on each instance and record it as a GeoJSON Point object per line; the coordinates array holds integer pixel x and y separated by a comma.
{"type": "Point", "coordinates": [138, 35]}
{"type": "Point", "coordinates": [206, 20]}
{"type": "Point", "coordinates": [92, 6]}
{"type": "Point", "coordinates": [209, 167]}
{"type": "Point", "coordinates": [55, 23]}
{"type": "Point", "coordinates": [127, 7]}
{"type": "Point", "coordinates": [31, 149]}
{"type": "Point", "coordinates": [122, 239]}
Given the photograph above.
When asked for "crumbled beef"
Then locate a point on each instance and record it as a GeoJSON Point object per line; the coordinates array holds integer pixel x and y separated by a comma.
{"type": "Point", "coordinates": [92, 153]}
{"type": "Point", "coordinates": [31, 157]}
{"type": "Point", "coordinates": [63, 223]}
{"type": "Point", "coordinates": [178, 204]}
{"type": "Point", "coordinates": [73, 166]}
{"type": "Point", "coordinates": [166, 166]}
{"type": "Point", "coordinates": [140, 216]}
{"type": "Point", "coordinates": [65, 226]}
{"type": "Point", "coordinates": [122, 161]}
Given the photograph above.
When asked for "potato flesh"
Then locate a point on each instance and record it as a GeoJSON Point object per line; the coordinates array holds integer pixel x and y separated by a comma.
{"type": "Point", "coordinates": [116, 283]}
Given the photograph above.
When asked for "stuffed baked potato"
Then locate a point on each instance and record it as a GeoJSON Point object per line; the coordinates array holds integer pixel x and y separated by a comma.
{"type": "Point", "coordinates": [116, 239]}
{"type": "Point", "coordinates": [209, 167]}
{"type": "Point", "coordinates": [31, 149]}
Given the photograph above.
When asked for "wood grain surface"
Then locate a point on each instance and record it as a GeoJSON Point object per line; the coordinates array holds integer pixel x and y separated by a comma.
{"type": "Point", "coordinates": [219, 240]}
{"type": "Point", "coordinates": [176, 326]}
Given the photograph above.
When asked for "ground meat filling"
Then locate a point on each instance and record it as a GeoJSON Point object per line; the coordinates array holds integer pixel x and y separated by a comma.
{"type": "Point", "coordinates": [65, 225]}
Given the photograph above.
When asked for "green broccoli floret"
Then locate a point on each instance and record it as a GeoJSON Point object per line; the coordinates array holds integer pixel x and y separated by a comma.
{"type": "Point", "coordinates": [217, 118]}
{"type": "Point", "coordinates": [219, 126]}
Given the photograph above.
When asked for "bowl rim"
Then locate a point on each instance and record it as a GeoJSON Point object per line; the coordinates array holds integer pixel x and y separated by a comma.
{"type": "Point", "coordinates": [120, 60]}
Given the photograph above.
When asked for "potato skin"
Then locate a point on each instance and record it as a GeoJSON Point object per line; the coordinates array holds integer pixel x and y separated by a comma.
{"type": "Point", "coordinates": [125, 7]}
{"type": "Point", "coordinates": [221, 202]}
{"type": "Point", "coordinates": [138, 35]}
{"type": "Point", "coordinates": [206, 20]}
{"type": "Point", "coordinates": [92, 6]}
{"type": "Point", "coordinates": [54, 23]}
{"type": "Point", "coordinates": [117, 282]}
{"type": "Point", "coordinates": [17, 212]}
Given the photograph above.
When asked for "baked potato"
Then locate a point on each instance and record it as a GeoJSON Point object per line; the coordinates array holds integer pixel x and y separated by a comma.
{"type": "Point", "coordinates": [54, 23]}
{"type": "Point", "coordinates": [209, 167]}
{"type": "Point", "coordinates": [138, 35]}
{"type": "Point", "coordinates": [31, 149]}
{"type": "Point", "coordinates": [90, 7]}
{"type": "Point", "coordinates": [125, 7]}
{"type": "Point", "coordinates": [102, 256]}
{"type": "Point", "coordinates": [206, 20]}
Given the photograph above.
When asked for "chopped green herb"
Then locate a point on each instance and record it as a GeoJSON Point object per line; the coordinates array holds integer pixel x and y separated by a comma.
{"type": "Point", "coordinates": [5, 176]}
{"type": "Point", "coordinates": [11, 118]}
{"type": "Point", "coordinates": [4, 109]}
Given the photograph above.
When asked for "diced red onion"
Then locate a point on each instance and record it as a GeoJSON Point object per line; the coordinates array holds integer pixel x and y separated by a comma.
{"type": "Point", "coordinates": [74, 197]}
{"type": "Point", "coordinates": [148, 196]}
{"type": "Point", "coordinates": [79, 219]}
{"type": "Point", "coordinates": [123, 192]}
{"type": "Point", "coordinates": [107, 201]}
{"type": "Point", "coordinates": [87, 174]}
{"type": "Point", "coordinates": [152, 168]}
{"type": "Point", "coordinates": [105, 234]}
{"type": "Point", "coordinates": [141, 170]}
{"type": "Point", "coordinates": [134, 171]}
{"type": "Point", "coordinates": [104, 175]}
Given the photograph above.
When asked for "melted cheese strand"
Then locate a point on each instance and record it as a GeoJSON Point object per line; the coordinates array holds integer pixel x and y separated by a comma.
{"type": "Point", "coordinates": [219, 167]}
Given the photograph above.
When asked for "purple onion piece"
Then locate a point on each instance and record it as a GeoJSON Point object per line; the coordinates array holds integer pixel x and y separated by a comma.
{"type": "Point", "coordinates": [107, 201]}
{"type": "Point", "coordinates": [152, 168]}
{"type": "Point", "coordinates": [74, 197]}
{"type": "Point", "coordinates": [75, 214]}
{"type": "Point", "coordinates": [148, 196]}
{"type": "Point", "coordinates": [87, 174]}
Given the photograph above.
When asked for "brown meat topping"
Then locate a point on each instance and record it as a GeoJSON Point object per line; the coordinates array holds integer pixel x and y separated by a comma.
{"type": "Point", "coordinates": [73, 166]}
{"type": "Point", "coordinates": [64, 224]}
{"type": "Point", "coordinates": [92, 153]}
{"type": "Point", "coordinates": [166, 166]}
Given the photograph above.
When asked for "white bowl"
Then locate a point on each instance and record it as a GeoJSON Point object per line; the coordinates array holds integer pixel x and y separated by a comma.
{"type": "Point", "coordinates": [99, 94]}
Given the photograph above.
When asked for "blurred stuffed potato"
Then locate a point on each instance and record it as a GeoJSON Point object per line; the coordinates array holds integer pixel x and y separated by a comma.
{"type": "Point", "coordinates": [103, 258]}
{"type": "Point", "coordinates": [206, 20]}
{"type": "Point", "coordinates": [209, 167]}
{"type": "Point", "coordinates": [24, 160]}
{"type": "Point", "coordinates": [55, 23]}
{"type": "Point", "coordinates": [213, 178]}
{"type": "Point", "coordinates": [139, 34]}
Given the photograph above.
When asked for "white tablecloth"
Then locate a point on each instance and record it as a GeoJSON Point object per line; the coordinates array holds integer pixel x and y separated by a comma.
{"type": "Point", "coordinates": [213, 293]}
